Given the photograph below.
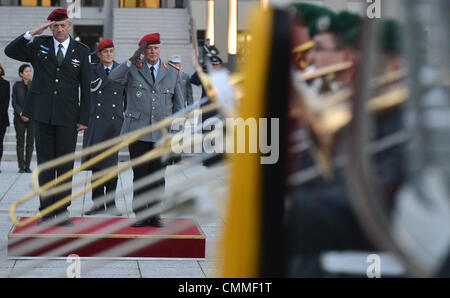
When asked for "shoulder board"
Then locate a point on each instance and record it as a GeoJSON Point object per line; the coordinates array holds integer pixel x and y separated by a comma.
{"type": "Point", "coordinates": [82, 44]}
{"type": "Point", "coordinates": [176, 67]}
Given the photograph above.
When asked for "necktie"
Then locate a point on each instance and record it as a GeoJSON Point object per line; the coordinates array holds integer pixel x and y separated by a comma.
{"type": "Point", "coordinates": [60, 55]}
{"type": "Point", "coordinates": [153, 73]}
{"type": "Point", "coordinates": [107, 71]}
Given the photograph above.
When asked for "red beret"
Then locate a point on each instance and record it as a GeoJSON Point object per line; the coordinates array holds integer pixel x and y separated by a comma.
{"type": "Point", "coordinates": [152, 38]}
{"type": "Point", "coordinates": [59, 14]}
{"type": "Point", "coordinates": [107, 43]}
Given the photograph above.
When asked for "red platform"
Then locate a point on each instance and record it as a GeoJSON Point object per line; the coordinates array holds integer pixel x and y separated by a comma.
{"type": "Point", "coordinates": [149, 242]}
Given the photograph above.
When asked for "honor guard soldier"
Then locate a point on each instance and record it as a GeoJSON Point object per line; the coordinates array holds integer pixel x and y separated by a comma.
{"type": "Point", "coordinates": [175, 61]}
{"type": "Point", "coordinates": [105, 122]}
{"type": "Point", "coordinates": [61, 69]}
{"type": "Point", "coordinates": [321, 218]}
{"type": "Point", "coordinates": [153, 93]}
{"type": "Point", "coordinates": [335, 38]}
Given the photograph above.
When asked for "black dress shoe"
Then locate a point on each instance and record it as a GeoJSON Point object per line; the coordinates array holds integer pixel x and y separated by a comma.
{"type": "Point", "coordinates": [28, 170]}
{"type": "Point", "coordinates": [66, 223]}
{"type": "Point", "coordinates": [21, 170]}
{"type": "Point", "coordinates": [140, 224]}
{"type": "Point", "coordinates": [46, 220]}
{"type": "Point", "coordinates": [112, 210]}
{"type": "Point", "coordinates": [96, 210]}
{"type": "Point", "coordinates": [156, 221]}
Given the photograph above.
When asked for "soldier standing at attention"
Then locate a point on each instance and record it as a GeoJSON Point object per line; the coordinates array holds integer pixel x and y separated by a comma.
{"type": "Point", "coordinates": [153, 93]}
{"type": "Point", "coordinates": [54, 103]}
{"type": "Point", "coordinates": [105, 122]}
{"type": "Point", "coordinates": [186, 86]}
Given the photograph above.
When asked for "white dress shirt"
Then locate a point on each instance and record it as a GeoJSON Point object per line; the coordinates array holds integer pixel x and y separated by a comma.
{"type": "Point", "coordinates": [109, 67]}
{"type": "Point", "coordinates": [28, 36]}
{"type": "Point", "coordinates": [56, 43]}
{"type": "Point", "coordinates": [156, 66]}
{"type": "Point", "coordinates": [64, 48]}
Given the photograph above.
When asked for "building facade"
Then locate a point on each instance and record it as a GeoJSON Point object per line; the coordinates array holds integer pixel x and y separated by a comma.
{"type": "Point", "coordinates": [99, 18]}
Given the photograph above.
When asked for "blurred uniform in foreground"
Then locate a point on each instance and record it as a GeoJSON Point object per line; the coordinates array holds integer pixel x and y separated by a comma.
{"type": "Point", "coordinates": [321, 218]}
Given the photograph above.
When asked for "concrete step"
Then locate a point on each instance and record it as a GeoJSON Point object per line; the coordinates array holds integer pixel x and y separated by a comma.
{"type": "Point", "coordinates": [12, 146]}
{"type": "Point", "coordinates": [12, 156]}
{"type": "Point", "coordinates": [129, 25]}
{"type": "Point", "coordinates": [11, 137]}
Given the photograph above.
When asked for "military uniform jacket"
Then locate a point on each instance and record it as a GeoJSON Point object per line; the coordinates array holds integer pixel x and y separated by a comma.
{"type": "Point", "coordinates": [148, 103]}
{"type": "Point", "coordinates": [54, 97]}
{"type": "Point", "coordinates": [187, 88]}
{"type": "Point", "coordinates": [106, 117]}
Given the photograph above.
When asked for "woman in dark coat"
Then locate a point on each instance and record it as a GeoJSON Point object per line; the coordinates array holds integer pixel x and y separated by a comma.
{"type": "Point", "coordinates": [22, 124]}
{"type": "Point", "coordinates": [4, 105]}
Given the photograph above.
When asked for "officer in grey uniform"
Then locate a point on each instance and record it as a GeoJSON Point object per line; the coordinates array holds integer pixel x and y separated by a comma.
{"type": "Point", "coordinates": [153, 93]}
{"type": "Point", "coordinates": [105, 122]}
{"type": "Point", "coordinates": [186, 86]}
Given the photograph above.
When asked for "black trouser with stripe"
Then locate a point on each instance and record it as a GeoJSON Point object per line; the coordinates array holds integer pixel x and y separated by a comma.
{"type": "Point", "coordinates": [104, 189]}
{"type": "Point", "coordinates": [24, 132]}
{"type": "Point", "coordinates": [53, 142]}
{"type": "Point", "coordinates": [2, 137]}
{"type": "Point", "coordinates": [136, 150]}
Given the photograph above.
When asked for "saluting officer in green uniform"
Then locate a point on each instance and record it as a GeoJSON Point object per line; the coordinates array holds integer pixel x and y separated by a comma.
{"type": "Point", "coordinates": [61, 69]}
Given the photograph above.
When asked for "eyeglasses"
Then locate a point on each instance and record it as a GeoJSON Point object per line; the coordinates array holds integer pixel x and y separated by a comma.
{"type": "Point", "coordinates": [319, 49]}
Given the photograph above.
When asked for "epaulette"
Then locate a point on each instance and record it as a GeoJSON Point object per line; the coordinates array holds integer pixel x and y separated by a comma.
{"type": "Point", "coordinates": [82, 44]}
{"type": "Point", "coordinates": [174, 66]}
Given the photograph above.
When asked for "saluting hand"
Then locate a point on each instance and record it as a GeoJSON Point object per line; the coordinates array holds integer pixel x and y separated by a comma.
{"type": "Point", "coordinates": [133, 60]}
{"type": "Point", "coordinates": [41, 29]}
{"type": "Point", "coordinates": [81, 127]}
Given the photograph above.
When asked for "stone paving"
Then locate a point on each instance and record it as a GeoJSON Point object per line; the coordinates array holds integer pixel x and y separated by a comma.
{"type": "Point", "coordinates": [13, 186]}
